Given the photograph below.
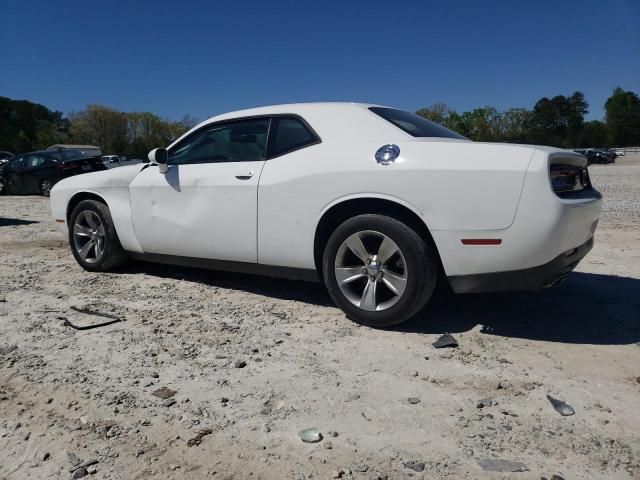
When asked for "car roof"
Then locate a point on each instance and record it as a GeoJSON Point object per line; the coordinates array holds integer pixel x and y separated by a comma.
{"type": "Point", "coordinates": [57, 154]}
{"type": "Point", "coordinates": [330, 120]}
{"type": "Point", "coordinates": [294, 108]}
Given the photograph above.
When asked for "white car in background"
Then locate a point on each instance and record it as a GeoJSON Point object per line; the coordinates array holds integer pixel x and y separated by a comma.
{"type": "Point", "coordinates": [375, 202]}
{"type": "Point", "coordinates": [112, 161]}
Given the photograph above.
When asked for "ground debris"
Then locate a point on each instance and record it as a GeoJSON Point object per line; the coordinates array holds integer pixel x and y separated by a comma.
{"type": "Point", "coordinates": [164, 393]}
{"type": "Point", "coordinates": [197, 440]}
{"type": "Point", "coordinates": [445, 341]}
{"type": "Point", "coordinates": [415, 466]}
{"type": "Point", "coordinates": [561, 407]}
{"type": "Point", "coordinates": [7, 349]}
{"type": "Point", "coordinates": [113, 319]}
{"type": "Point", "coordinates": [498, 465]}
{"type": "Point", "coordinates": [310, 435]}
{"type": "Point", "coordinates": [83, 465]}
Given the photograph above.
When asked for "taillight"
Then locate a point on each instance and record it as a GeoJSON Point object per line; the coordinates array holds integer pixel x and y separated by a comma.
{"type": "Point", "coordinates": [569, 178]}
{"type": "Point", "coordinates": [65, 166]}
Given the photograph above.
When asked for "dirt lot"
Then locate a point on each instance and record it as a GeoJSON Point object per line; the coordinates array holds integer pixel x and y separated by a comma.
{"type": "Point", "coordinates": [89, 393]}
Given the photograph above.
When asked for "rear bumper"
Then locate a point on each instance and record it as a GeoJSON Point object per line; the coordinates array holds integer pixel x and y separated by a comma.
{"type": "Point", "coordinates": [532, 278]}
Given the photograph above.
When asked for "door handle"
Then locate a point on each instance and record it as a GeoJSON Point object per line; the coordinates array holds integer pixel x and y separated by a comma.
{"type": "Point", "coordinates": [244, 176]}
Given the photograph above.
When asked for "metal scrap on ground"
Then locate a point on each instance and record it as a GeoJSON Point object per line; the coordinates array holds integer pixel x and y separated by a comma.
{"type": "Point", "coordinates": [114, 319]}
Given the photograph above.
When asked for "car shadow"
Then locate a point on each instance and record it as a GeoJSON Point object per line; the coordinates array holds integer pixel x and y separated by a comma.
{"type": "Point", "coordinates": [586, 309]}
{"type": "Point", "coordinates": [10, 222]}
{"type": "Point", "coordinates": [307, 292]}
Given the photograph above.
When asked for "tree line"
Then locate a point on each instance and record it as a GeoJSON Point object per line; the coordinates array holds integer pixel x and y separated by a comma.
{"type": "Point", "coordinates": [27, 126]}
{"type": "Point", "coordinates": [557, 121]}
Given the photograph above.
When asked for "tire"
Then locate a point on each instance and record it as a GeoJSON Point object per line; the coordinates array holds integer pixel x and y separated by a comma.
{"type": "Point", "coordinates": [84, 223]}
{"type": "Point", "coordinates": [414, 263]}
{"type": "Point", "coordinates": [3, 186]}
{"type": "Point", "coordinates": [45, 187]}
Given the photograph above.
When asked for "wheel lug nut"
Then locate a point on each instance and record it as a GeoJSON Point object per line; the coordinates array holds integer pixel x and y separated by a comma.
{"type": "Point", "coordinates": [368, 261]}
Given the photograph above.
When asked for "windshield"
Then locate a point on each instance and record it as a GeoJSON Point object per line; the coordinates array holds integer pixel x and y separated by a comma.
{"type": "Point", "coordinates": [415, 125]}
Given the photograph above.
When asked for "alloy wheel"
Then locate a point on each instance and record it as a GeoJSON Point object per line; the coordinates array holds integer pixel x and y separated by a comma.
{"type": "Point", "coordinates": [89, 236]}
{"type": "Point", "coordinates": [371, 270]}
{"type": "Point", "coordinates": [45, 187]}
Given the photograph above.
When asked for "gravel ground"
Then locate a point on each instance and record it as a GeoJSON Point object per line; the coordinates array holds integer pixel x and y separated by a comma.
{"type": "Point", "coordinates": [253, 361]}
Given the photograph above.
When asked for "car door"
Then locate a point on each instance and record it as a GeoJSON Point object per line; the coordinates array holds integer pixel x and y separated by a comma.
{"type": "Point", "coordinates": [33, 164]}
{"type": "Point", "coordinates": [205, 205]}
{"type": "Point", "coordinates": [13, 175]}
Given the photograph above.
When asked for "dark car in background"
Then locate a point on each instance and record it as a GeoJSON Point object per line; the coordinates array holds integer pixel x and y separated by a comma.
{"type": "Point", "coordinates": [598, 155]}
{"type": "Point", "coordinates": [5, 157]}
{"type": "Point", "coordinates": [38, 172]}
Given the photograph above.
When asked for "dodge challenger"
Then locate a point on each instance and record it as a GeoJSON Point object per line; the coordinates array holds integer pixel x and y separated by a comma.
{"type": "Point", "coordinates": [377, 203]}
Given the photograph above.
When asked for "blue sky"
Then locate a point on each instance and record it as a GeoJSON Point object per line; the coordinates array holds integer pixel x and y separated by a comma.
{"type": "Point", "coordinates": [208, 57]}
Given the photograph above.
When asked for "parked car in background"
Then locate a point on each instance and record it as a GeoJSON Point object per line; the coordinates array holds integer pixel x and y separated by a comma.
{"type": "Point", "coordinates": [377, 203]}
{"type": "Point", "coordinates": [606, 155]}
{"type": "Point", "coordinates": [5, 157]}
{"type": "Point", "coordinates": [87, 150]}
{"type": "Point", "coordinates": [598, 155]}
{"type": "Point", "coordinates": [38, 172]}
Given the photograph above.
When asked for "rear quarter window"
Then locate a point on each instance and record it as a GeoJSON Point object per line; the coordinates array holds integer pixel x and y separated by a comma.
{"type": "Point", "coordinates": [415, 125]}
{"type": "Point", "coordinates": [289, 134]}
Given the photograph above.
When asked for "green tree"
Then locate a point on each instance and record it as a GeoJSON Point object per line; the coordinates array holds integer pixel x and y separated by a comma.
{"type": "Point", "coordinates": [515, 125]}
{"type": "Point", "coordinates": [27, 126]}
{"type": "Point", "coordinates": [558, 121]}
{"type": "Point", "coordinates": [623, 118]}
{"type": "Point", "coordinates": [594, 134]}
{"type": "Point", "coordinates": [438, 112]}
{"type": "Point", "coordinates": [100, 125]}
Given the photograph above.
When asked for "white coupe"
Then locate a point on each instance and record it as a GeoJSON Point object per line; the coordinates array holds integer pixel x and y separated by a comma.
{"type": "Point", "coordinates": [375, 202]}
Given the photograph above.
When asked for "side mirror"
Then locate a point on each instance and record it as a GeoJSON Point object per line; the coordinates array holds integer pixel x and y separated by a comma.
{"type": "Point", "coordinates": [160, 157]}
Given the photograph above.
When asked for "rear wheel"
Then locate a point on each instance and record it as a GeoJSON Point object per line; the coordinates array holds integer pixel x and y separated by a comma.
{"type": "Point", "coordinates": [3, 186]}
{"type": "Point", "coordinates": [378, 270]}
{"type": "Point", "coordinates": [93, 237]}
{"type": "Point", "coordinates": [45, 187]}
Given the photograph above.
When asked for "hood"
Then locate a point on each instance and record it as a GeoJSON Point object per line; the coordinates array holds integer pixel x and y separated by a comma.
{"type": "Point", "coordinates": [114, 177]}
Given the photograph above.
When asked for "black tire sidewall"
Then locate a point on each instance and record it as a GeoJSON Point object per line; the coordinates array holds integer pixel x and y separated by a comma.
{"type": "Point", "coordinates": [420, 264]}
{"type": "Point", "coordinates": [112, 244]}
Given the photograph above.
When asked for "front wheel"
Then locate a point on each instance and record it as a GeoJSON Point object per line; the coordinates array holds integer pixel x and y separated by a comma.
{"type": "Point", "coordinates": [93, 238]}
{"type": "Point", "coordinates": [45, 187]}
{"type": "Point", "coordinates": [378, 270]}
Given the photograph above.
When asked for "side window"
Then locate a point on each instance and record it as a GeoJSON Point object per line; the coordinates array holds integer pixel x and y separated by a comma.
{"type": "Point", "coordinates": [289, 133]}
{"type": "Point", "coordinates": [17, 163]}
{"type": "Point", "coordinates": [237, 141]}
{"type": "Point", "coordinates": [34, 161]}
